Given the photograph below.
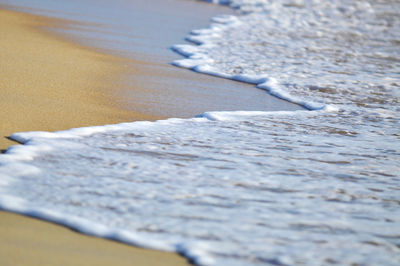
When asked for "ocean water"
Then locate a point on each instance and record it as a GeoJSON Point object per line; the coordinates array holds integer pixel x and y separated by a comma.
{"type": "Point", "coordinates": [137, 30]}
{"type": "Point", "coordinates": [245, 188]}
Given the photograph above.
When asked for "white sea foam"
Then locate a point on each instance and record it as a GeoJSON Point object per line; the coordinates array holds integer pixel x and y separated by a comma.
{"type": "Point", "coordinates": [245, 188]}
{"type": "Point", "coordinates": [304, 47]}
{"type": "Point", "coordinates": [233, 188]}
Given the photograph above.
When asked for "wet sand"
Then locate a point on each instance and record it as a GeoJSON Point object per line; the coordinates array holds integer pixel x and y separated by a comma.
{"type": "Point", "coordinates": [144, 32]}
{"type": "Point", "coordinates": [52, 84]}
{"type": "Point", "coordinates": [49, 83]}
{"type": "Point", "coordinates": [28, 241]}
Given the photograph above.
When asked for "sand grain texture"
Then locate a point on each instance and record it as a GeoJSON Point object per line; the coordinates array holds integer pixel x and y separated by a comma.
{"type": "Point", "coordinates": [47, 84]}
{"type": "Point", "coordinates": [50, 84]}
{"type": "Point", "coordinates": [28, 241]}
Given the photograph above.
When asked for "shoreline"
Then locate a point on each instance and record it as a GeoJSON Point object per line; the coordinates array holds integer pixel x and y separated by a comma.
{"type": "Point", "coordinates": [31, 241]}
{"type": "Point", "coordinates": [137, 31]}
{"type": "Point", "coordinates": [48, 84]}
{"type": "Point", "coordinates": [70, 88]}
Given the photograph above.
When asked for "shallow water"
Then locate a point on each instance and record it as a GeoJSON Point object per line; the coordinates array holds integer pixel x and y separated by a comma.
{"type": "Point", "coordinates": [246, 188]}
{"type": "Point", "coordinates": [144, 32]}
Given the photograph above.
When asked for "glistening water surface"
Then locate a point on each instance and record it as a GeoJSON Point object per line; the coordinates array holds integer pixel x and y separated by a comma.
{"type": "Point", "coordinates": [246, 188]}
{"type": "Point", "coordinates": [144, 31]}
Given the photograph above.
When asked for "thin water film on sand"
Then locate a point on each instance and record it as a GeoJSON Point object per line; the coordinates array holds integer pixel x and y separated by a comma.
{"type": "Point", "coordinates": [246, 188]}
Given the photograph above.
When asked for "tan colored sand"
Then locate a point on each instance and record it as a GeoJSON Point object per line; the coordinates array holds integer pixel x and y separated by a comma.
{"type": "Point", "coordinates": [27, 241]}
{"type": "Point", "coordinates": [51, 84]}
{"type": "Point", "coordinates": [47, 83]}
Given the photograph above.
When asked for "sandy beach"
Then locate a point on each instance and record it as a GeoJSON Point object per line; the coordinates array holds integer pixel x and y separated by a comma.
{"type": "Point", "coordinates": [51, 84]}
{"type": "Point", "coordinates": [280, 186]}
{"type": "Point", "coordinates": [48, 83]}
{"type": "Point", "coordinates": [28, 241]}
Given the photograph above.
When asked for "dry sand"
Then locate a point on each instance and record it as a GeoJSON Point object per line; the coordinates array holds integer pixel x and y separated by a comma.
{"type": "Point", "coordinates": [47, 83]}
